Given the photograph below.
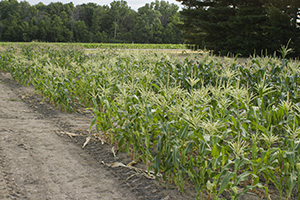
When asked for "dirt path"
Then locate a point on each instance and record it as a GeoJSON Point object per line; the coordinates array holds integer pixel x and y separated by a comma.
{"type": "Point", "coordinates": [37, 163]}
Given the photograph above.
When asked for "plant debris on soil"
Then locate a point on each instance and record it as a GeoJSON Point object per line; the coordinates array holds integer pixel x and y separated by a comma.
{"type": "Point", "coordinates": [41, 155]}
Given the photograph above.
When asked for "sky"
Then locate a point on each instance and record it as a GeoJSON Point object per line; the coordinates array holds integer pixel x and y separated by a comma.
{"type": "Point", "coordinates": [134, 4]}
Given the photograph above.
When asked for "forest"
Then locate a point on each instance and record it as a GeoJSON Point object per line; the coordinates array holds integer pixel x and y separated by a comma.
{"type": "Point", "coordinates": [240, 27]}
{"type": "Point", "coordinates": [57, 22]}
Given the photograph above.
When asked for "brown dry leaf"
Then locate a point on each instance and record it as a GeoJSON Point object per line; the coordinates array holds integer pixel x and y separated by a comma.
{"type": "Point", "coordinates": [166, 198]}
{"type": "Point", "coordinates": [131, 163]}
{"type": "Point", "coordinates": [87, 140]}
{"type": "Point", "coordinates": [116, 164]}
{"type": "Point", "coordinates": [99, 138]}
{"type": "Point", "coordinates": [149, 176]}
{"type": "Point", "coordinates": [69, 134]}
{"type": "Point", "coordinates": [145, 173]}
{"type": "Point", "coordinates": [113, 151]}
{"type": "Point", "coordinates": [130, 176]}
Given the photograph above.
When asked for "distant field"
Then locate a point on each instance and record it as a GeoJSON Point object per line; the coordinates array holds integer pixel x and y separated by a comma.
{"type": "Point", "coordinates": [105, 45]}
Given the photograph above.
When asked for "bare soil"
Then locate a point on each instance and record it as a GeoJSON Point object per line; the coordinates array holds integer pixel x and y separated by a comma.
{"type": "Point", "coordinates": [41, 156]}
{"type": "Point", "coordinates": [40, 159]}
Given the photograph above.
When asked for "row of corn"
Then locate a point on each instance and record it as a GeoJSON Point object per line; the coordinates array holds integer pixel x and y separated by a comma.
{"type": "Point", "coordinates": [223, 126]}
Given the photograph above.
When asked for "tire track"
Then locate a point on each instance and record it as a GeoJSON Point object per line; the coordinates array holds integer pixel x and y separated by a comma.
{"type": "Point", "coordinates": [8, 188]}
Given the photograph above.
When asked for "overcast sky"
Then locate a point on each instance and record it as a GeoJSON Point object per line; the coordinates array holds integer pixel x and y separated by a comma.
{"type": "Point", "coordinates": [134, 4]}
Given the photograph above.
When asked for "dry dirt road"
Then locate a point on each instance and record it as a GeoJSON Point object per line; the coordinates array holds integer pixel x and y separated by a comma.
{"type": "Point", "coordinates": [38, 161]}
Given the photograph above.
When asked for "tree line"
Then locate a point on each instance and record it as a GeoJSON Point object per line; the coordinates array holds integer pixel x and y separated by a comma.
{"type": "Point", "coordinates": [242, 26]}
{"type": "Point", "coordinates": [57, 22]}
{"type": "Point", "coordinates": [237, 26]}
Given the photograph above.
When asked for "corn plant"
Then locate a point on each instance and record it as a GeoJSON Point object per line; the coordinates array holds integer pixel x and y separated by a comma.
{"type": "Point", "coordinates": [218, 124]}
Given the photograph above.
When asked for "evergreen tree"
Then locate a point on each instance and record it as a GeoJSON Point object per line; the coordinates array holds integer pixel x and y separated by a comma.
{"type": "Point", "coordinates": [240, 26]}
{"type": "Point", "coordinates": [245, 35]}
{"type": "Point", "coordinates": [282, 24]}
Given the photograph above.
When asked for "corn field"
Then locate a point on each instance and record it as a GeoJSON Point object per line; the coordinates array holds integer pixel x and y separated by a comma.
{"type": "Point", "coordinates": [218, 124]}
